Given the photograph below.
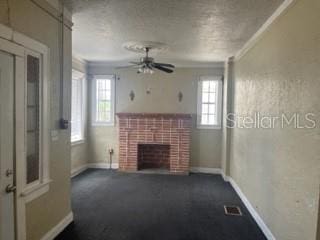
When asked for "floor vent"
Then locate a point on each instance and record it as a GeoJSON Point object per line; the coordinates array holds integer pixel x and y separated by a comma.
{"type": "Point", "coordinates": [232, 210]}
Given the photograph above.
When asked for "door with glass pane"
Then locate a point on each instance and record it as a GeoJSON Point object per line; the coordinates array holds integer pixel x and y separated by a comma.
{"type": "Point", "coordinates": [7, 182]}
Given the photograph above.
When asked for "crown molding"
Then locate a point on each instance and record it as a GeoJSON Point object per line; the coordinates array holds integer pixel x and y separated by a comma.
{"type": "Point", "coordinates": [56, 5]}
{"type": "Point", "coordinates": [53, 8]}
{"type": "Point", "coordinates": [79, 64]}
{"type": "Point", "coordinates": [258, 35]}
{"type": "Point", "coordinates": [78, 60]}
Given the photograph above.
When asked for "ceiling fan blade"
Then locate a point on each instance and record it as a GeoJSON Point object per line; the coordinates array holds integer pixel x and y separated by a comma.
{"type": "Point", "coordinates": [136, 63]}
{"type": "Point", "coordinates": [164, 65]}
{"type": "Point", "coordinates": [167, 70]}
{"type": "Point", "coordinates": [129, 66]}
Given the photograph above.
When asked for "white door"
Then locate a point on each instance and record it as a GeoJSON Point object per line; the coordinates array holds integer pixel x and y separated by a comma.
{"type": "Point", "coordinates": [7, 183]}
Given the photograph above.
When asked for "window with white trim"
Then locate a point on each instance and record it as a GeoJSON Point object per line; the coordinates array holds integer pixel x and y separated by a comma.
{"type": "Point", "coordinates": [103, 100]}
{"type": "Point", "coordinates": [77, 106]}
{"type": "Point", "coordinates": [209, 102]}
{"type": "Point", "coordinates": [35, 179]}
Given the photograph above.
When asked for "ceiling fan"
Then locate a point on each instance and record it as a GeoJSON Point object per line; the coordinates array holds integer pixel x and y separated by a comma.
{"type": "Point", "coordinates": [147, 64]}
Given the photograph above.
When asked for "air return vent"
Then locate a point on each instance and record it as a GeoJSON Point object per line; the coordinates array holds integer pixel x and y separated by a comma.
{"type": "Point", "coordinates": [232, 210]}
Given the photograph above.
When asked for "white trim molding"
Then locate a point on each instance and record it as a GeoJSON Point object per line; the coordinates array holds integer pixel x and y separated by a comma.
{"type": "Point", "coordinates": [20, 145]}
{"type": "Point", "coordinates": [6, 32]}
{"type": "Point", "coordinates": [206, 170]}
{"type": "Point", "coordinates": [30, 43]}
{"type": "Point", "coordinates": [76, 171]}
{"type": "Point", "coordinates": [10, 47]}
{"type": "Point", "coordinates": [80, 78]}
{"type": "Point", "coordinates": [103, 165]}
{"type": "Point", "coordinates": [56, 230]}
{"type": "Point", "coordinates": [32, 193]}
{"type": "Point", "coordinates": [218, 102]}
{"type": "Point", "coordinates": [77, 61]}
{"type": "Point", "coordinates": [56, 5]}
{"type": "Point", "coordinates": [112, 79]}
{"type": "Point", "coordinates": [257, 36]}
{"type": "Point", "coordinates": [267, 232]}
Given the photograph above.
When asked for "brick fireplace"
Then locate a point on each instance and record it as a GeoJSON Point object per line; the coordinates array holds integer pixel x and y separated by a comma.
{"type": "Point", "coordinates": [154, 140]}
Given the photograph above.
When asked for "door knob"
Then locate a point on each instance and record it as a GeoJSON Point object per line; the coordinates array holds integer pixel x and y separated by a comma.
{"type": "Point", "coordinates": [10, 188]}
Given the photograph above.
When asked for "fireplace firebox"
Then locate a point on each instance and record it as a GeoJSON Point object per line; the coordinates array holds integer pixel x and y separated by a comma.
{"type": "Point", "coordinates": [153, 156]}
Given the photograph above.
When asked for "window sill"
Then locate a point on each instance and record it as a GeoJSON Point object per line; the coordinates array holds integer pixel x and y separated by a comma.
{"type": "Point", "coordinates": [213, 127]}
{"type": "Point", "coordinates": [31, 193]}
{"type": "Point", "coordinates": [103, 124]}
{"type": "Point", "coordinates": [77, 142]}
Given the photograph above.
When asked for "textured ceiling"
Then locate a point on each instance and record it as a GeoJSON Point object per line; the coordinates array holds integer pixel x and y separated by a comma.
{"type": "Point", "coordinates": [196, 31]}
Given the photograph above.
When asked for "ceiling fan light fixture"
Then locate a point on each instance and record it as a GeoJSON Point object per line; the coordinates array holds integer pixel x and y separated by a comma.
{"type": "Point", "coordinates": [145, 70]}
{"type": "Point", "coordinates": [147, 65]}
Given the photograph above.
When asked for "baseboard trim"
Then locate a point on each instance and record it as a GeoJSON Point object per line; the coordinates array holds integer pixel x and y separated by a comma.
{"type": "Point", "coordinates": [205, 170]}
{"type": "Point", "coordinates": [55, 231]}
{"type": "Point", "coordinates": [103, 165]}
{"type": "Point", "coordinates": [78, 170]}
{"type": "Point", "coordinates": [251, 209]}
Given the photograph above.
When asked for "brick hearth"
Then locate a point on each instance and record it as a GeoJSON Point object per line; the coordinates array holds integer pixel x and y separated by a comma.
{"type": "Point", "coordinates": [140, 129]}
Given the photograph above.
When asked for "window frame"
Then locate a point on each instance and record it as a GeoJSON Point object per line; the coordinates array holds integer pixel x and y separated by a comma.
{"type": "Point", "coordinates": [94, 122]}
{"type": "Point", "coordinates": [218, 125]}
{"type": "Point", "coordinates": [36, 188]}
{"type": "Point", "coordinates": [81, 77]}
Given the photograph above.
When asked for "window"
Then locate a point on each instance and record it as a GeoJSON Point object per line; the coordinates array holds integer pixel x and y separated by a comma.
{"type": "Point", "coordinates": [33, 118]}
{"type": "Point", "coordinates": [103, 100]}
{"type": "Point", "coordinates": [35, 179]}
{"type": "Point", "coordinates": [77, 106]}
{"type": "Point", "coordinates": [209, 102]}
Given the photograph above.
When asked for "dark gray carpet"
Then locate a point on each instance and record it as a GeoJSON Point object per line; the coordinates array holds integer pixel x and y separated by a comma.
{"type": "Point", "coordinates": [108, 205]}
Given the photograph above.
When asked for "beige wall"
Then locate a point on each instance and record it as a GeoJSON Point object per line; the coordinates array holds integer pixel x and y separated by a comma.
{"type": "Point", "coordinates": [206, 144]}
{"type": "Point", "coordinates": [318, 232]}
{"type": "Point", "coordinates": [79, 151]}
{"type": "Point", "coordinates": [47, 211]}
{"type": "Point", "coordinates": [279, 169]}
{"type": "Point", "coordinates": [79, 156]}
